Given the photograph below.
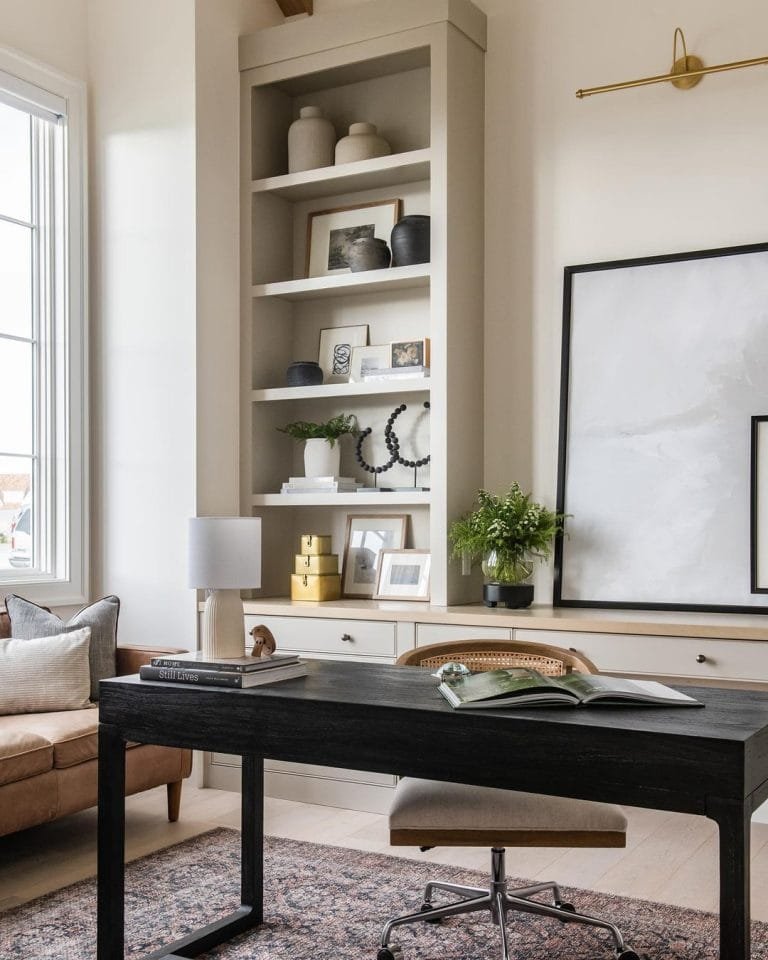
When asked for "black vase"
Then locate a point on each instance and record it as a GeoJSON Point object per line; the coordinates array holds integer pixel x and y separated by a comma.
{"type": "Point", "coordinates": [368, 253]}
{"type": "Point", "coordinates": [304, 373]}
{"type": "Point", "coordinates": [410, 240]}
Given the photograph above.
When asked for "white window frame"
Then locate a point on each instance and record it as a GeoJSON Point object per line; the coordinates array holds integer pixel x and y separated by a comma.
{"type": "Point", "coordinates": [64, 358]}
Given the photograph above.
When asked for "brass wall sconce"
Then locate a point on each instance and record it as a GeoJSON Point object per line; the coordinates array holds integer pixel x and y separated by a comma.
{"type": "Point", "coordinates": [687, 70]}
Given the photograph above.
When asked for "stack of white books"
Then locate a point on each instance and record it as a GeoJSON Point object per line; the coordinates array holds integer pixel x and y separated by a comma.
{"type": "Point", "coordinates": [396, 373]}
{"type": "Point", "coordinates": [298, 485]}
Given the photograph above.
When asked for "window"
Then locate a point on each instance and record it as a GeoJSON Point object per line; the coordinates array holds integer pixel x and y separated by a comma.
{"type": "Point", "coordinates": [43, 449]}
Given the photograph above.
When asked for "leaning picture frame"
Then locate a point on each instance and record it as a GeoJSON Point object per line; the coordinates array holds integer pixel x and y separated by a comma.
{"type": "Point", "coordinates": [758, 523]}
{"type": "Point", "coordinates": [330, 232]}
{"type": "Point", "coordinates": [367, 536]}
{"type": "Point", "coordinates": [337, 345]}
{"type": "Point", "coordinates": [403, 575]}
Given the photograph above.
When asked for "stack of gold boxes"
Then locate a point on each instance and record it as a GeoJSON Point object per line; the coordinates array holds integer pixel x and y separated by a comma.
{"type": "Point", "coordinates": [316, 573]}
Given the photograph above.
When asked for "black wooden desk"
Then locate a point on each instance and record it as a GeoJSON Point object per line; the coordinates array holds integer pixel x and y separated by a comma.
{"type": "Point", "coordinates": [386, 719]}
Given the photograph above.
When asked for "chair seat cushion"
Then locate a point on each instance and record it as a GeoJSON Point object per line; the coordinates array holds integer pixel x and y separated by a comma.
{"type": "Point", "coordinates": [23, 754]}
{"type": "Point", "coordinates": [433, 805]}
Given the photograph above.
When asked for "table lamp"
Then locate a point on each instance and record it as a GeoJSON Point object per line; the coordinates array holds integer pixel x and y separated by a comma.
{"type": "Point", "coordinates": [224, 557]}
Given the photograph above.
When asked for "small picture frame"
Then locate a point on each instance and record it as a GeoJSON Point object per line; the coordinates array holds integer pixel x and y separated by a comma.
{"type": "Point", "coordinates": [336, 347]}
{"type": "Point", "coordinates": [330, 232]}
{"type": "Point", "coordinates": [404, 575]}
{"type": "Point", "coordinates": [367, 536]}
{"type": "Point", "coordinates": [367, 360]}
{"type": "Point", "coordinates": [409, 353]}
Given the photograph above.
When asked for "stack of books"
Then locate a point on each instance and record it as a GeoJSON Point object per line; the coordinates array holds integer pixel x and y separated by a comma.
{"type": "Point", "coordinates": [298, 485]}
{"type": "Point", "coordinates": [396, 373]}
{"type": "Point", "coordinates": [241, 672]}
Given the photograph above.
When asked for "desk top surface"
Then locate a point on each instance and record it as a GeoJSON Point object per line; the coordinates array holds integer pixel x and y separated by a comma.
{"type": "Point", "coordinates": [733, 715]}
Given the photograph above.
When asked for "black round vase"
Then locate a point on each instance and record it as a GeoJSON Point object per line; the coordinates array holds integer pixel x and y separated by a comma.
{"type": "Point", "coordinates": [410, 240]}
{"type": "Point", "coordinates": [512, 595]}
{"type": "Point", "coordinates": [304, 373]}
{"type": "Point", "coordinates": [368, 253]}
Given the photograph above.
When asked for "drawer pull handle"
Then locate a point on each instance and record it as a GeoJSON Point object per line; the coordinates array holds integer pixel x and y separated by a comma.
{"type": "Point", "coordinates": [346, 638]}
{"type": "Point", "coordinates": [701, 658]}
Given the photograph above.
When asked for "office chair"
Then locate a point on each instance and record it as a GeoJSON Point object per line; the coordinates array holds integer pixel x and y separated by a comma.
{"type": "Point", "coordinates": [428, 813]}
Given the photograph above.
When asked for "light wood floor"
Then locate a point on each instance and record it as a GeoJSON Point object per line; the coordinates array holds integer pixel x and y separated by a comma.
{"type": "Point", "coordinates": [671, 858]}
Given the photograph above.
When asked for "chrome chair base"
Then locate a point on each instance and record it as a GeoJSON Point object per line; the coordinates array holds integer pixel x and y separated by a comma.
{"type": "Point", "coordinates": [499, 900]}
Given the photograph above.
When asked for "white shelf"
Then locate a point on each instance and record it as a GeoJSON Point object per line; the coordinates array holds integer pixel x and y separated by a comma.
{"type": "Point", "coordinates": [360, 175]}
{"type": "Point", "coordinates": [339, 499]}
{"type": "Point", "coordinates": [373, 388]}
{"type": "Point", "coordinates": [347, 284]}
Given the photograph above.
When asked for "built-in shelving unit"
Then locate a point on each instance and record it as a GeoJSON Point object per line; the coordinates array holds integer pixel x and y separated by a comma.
{"type": "Point", "coordinates": [418, 74]}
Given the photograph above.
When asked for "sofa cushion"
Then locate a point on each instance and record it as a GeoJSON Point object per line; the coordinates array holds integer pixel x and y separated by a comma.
{"type": "Point", "coordinates": [28, 621]}
{"type": "Point", "coordinates": [23, 754]}
{"type": "Point", "coordinates": [73, 734]}
{"type": "Point", "coordinates": [49, 673]}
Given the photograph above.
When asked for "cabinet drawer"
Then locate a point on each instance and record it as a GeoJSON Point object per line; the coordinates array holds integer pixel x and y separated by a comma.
{"type": "Point", "coordinates": [427, 633]}
{"type": "Point", "coordinates": [662, 656]}
{"type": "Point", "coordinates": [368, 638]}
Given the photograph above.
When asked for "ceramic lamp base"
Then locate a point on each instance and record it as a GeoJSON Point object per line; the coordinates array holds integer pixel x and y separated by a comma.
{"type": "Point", "coordinates": [512, 595]}
{"type": "Point", "coordinates": [223, 633]}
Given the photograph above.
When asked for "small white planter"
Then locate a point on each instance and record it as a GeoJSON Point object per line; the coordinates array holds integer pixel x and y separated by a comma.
{"type": "Point", "coordinates": [321, 459]}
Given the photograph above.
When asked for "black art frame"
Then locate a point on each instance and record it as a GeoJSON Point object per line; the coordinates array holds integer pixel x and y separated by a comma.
{"type": "Point", "coordinates": [754, 504]}
{"type": "Point", "coordinates": [565, 374]}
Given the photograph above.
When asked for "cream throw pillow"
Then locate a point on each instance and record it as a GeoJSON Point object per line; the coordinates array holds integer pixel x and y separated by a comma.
{"type": "Point", "coordinates": [51, 673]}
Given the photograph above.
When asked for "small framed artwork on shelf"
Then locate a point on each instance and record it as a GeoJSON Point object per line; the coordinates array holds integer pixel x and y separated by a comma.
{"type": "Point", "coordinates": [409, 353]}
{"type": "Point", "coordinates": [403, 575]}
{"type": "Point", "coordinates": [330, 233]}
{"type": "Point", "coordinates": [367, 537]}
{"type": "Point", "coordinates": [368, 360]}
{"type": "Point", "coordinates": [336, 346]}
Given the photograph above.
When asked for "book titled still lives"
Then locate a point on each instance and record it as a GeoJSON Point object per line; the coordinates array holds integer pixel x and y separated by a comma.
{"type": "Point", "coordinates": [222, 678]}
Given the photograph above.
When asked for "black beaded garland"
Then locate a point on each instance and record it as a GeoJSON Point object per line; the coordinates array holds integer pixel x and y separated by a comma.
{"type": "Point", "coordinates": [393, 445]}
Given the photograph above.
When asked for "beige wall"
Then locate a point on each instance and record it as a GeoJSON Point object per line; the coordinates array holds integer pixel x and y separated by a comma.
{"type": "Point", "coordinates": [52, 31]}
{"type": "Point", "coordinates": [143, 310]}
{"type": "Point", "coordinates": [217, 115]}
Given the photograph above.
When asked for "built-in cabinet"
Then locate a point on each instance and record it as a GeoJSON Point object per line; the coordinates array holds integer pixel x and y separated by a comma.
{"type": "Point", "coordinates": [417, 72]}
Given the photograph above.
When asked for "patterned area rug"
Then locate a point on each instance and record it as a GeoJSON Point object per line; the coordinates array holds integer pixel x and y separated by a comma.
{"type": "Point", "coordinates": [330, 902]}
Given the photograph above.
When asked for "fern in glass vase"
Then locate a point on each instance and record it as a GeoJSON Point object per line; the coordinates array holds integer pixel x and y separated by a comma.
{"type": "Point", "coordinates": [506, 534]}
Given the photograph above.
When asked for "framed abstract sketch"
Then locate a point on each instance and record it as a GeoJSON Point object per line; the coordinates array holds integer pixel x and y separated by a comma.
{"type": "Point", "coordinates": [661, 470]}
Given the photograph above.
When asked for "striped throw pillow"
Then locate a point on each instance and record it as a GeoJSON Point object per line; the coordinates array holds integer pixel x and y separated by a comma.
{"type": "Point", "coordinates": [50, 673]}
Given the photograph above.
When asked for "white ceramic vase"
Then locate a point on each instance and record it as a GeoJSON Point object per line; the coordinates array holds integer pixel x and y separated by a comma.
{"type": "Point", "coordinates": [311, 139]}
{"type": "Point", "coordinates": [321, 459]}
{"type": "Point", "coordinates": [362, 143]}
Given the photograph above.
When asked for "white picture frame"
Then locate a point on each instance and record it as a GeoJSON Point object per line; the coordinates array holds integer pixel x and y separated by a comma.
{"type": "Point", "coordinates": [368, 360]}
{"type": "Point", "coordinates": [329, 233]}
{"type": "Point", "coordinates": [404, 575]}
{"type": "Point", "coordinates": [336, 347]}
{"type": "Point", "coordinates": [367, 536]}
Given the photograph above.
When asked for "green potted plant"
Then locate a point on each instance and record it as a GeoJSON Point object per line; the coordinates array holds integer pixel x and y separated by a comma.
{"type": "Point", "coordinates": [322, 454]}
{"type": "Point", "coordinates": [506, 535]}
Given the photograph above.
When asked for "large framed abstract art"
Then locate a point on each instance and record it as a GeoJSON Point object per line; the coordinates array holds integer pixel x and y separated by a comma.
{"type": "Point", "coordinates": [664, 391]}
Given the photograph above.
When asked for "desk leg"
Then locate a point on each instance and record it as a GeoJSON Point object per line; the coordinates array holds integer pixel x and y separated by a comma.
{"type": "Point", "coordinates": [252, 851]}
{"type": "Point", "coordinates": [734, 822]}
{"type": "Point", "coordinates": [110, 934]}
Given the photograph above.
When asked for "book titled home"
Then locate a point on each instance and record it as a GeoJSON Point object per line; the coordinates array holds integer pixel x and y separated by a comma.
{"type": "Point", "coordinates": [234, 664]}
{"type": "Point", "coordinates": [521, 686]}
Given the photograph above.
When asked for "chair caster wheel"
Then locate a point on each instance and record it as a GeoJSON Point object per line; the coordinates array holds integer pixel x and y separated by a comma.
{"type": "Point", "coordinates": [392, 952]}
{"type": "Point", "coordinates": [627, 955]}
{"type": "Point", "coordinates": [428, 906]}
{"type": "Point", "coordinates": [566, 907]}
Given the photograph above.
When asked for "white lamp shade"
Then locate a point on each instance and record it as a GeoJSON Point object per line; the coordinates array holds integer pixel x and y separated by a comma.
{"type": "Point", "coordinates": [224, 552]}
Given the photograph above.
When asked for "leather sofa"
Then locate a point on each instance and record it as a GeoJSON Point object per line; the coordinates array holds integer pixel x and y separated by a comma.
{"type": "Point", "coordinates": [48, 761]}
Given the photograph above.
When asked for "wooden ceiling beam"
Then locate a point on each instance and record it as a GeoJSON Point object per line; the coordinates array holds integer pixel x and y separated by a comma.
{"type": "Point", "coordinates": [292, 7]}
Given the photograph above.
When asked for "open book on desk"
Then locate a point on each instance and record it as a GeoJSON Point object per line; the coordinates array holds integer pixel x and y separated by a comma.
{"type": "Point", "coordinates": [521, 687]}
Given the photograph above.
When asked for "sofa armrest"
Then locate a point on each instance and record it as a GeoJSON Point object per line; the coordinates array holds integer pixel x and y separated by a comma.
{"type": "Point", "coordinates": [130, 658]}
{"type": "Point", "coordinates": [5, 625]}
